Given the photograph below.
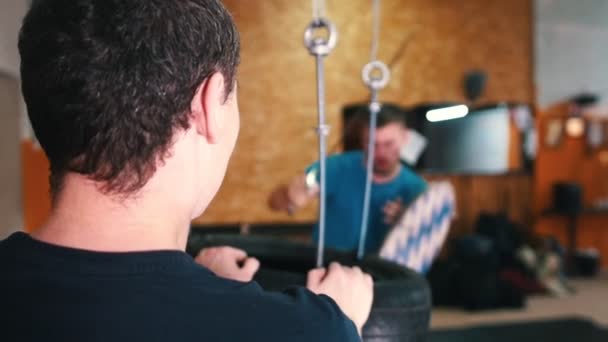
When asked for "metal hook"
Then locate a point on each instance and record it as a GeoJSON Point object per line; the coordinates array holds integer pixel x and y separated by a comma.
{"type": "Point", "coordinates": [373, 81]}
{"type": "Point", "coordinates": [318, 46]}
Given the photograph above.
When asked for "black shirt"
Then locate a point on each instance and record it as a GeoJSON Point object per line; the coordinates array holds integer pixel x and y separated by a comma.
{"type": "Point", "coordinates": [52, 293]}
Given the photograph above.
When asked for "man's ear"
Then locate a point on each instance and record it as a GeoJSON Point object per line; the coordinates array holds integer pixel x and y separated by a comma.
{"type": "Point", "coordinates": [207, 108]}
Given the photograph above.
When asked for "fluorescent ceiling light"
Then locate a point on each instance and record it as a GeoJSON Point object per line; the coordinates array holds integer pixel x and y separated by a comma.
{"type": "Point", "coordinates": [447, 113]}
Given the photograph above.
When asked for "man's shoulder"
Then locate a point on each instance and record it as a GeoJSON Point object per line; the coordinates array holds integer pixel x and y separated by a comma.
{"type": "Point", "coordinates": [411, 181]}
{"type": "Point", "coordinates": [355, 155]}
{"type": "Point", "coordinates": [8, 245]}
{"type": "Point", "coordinates": [347, 160]}
{"type": "Point", "coordinates": [343, 165]}
{"type": "Point", "coordinates": [408, 174]}
{"type": "Point", "coordinates": [292, 315]}
{"type": "Point", "coordinates": [209, 305]}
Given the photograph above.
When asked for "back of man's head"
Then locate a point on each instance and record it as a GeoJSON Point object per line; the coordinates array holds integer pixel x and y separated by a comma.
{"type": "Point", "coordinates": [108, 83]}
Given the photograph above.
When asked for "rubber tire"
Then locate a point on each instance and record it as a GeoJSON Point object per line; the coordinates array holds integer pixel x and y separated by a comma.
{"type": "Point", "coordinates": [402, 301]}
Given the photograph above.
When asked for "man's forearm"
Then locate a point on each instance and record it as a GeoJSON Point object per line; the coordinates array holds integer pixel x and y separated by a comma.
{"type": "Point", "coordinates": [279, 199]}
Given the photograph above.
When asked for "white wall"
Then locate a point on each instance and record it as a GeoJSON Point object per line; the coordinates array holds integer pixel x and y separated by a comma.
{"type": "Point", "coordinates": [11, 217]}
{"type": "Point", "coordinates": [571, 49]}
{"type": "Point", "coordinates": [11, 13]}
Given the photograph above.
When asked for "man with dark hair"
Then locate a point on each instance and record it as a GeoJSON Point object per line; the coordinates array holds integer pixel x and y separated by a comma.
{"type": "Point", "coordinates": [393, 187]}
{"type": "Point", "coordinates": [134, 103]}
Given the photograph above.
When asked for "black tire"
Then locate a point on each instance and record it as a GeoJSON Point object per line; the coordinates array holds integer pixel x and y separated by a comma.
{"type": "Point", "coordinates": [402, 301]}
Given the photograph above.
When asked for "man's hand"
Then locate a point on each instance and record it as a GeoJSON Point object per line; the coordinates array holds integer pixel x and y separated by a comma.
{"type": "Point", "coordinates": [279, 199]}
{"type": "Point", "coordinates": [299, 193]}
{"type": "Point", "coordinates": [292, 196]}
{"type": "Point", "coordinates": [226, 262]}
{"type": "Point", "coordinates": [349, 287]}
{"type": "Point", "coordinates": [392, 210]}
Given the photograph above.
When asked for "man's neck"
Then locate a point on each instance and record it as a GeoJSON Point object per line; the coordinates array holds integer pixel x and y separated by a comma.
{"type": "Point", "coordinates": [85, 218]}
{"type": "Point", "coordinates": [382, 178]}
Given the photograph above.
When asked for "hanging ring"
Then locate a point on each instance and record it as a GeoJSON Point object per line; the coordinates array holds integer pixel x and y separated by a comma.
{"type": "Point", "coordinates": [376, 75]}
{"type": "Point", "coordinates": [318, 46]}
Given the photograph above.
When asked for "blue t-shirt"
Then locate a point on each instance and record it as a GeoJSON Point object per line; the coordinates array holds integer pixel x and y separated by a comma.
{"type": "Point", "coordinates": [344, 208]}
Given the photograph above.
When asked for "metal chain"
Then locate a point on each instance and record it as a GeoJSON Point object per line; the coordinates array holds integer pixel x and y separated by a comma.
{"type": "Point", "coordinates": [318, 9]}
{"type": "Point", "coordinates": [322, 132]}
{"type": "Point", "coordinates": [375, 83]}
{"type": "Point", "coordinates": [320, 48]}
{"type": "Point", "coordinates": [374, 109]}
{"type": "Point", "coordinates": [375, 30]}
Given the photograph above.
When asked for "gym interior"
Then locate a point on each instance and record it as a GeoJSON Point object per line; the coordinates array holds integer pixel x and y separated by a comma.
{"type": "Point", "coordinates": [506, 111]}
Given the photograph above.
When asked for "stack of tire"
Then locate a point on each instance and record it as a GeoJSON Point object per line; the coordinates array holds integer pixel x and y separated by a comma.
{"type": "Point", "coordinates": [402, 301]}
